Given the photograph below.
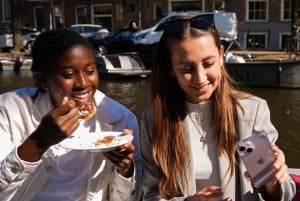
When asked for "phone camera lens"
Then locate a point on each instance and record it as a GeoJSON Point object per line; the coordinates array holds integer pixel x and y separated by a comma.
{"type": "Point", "coordinates": [249, 150]}
{"type": "Point", "coordinates": [242, 148]}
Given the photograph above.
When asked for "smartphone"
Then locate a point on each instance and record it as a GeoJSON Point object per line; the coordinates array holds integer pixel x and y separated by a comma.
{"type": "Point", "coordinates": [257, 155]}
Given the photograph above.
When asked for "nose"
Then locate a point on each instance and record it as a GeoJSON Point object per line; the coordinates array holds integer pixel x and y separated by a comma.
{"type": "Point", "coordinates": [200, 74]}
{"type": "Point", "coordinates": [81, 80]}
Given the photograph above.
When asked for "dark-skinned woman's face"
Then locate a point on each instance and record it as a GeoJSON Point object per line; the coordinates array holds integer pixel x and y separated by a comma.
{"type": "Point", "coordinates": [73, 74]}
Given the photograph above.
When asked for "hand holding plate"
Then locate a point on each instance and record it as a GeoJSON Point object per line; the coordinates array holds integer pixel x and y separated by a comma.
{"type": "Point", "coordinates": [122, 157]}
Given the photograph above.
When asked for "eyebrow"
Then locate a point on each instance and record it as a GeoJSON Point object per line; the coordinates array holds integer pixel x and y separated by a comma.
{"type": "Point", "coordinates": [185, 60]}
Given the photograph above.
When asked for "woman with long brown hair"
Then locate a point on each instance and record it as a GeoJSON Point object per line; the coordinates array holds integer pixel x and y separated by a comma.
{"type": "Point", "coordinates": [188, 135]}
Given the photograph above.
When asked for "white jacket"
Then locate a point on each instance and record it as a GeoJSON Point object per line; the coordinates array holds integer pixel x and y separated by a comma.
{"type": "Point", "coordinates": [19, 180]}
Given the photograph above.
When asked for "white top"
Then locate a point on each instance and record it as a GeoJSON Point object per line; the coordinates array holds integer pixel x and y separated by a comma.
{"type": "Point", "coordinates": [67, 175]}
{"type": "Point", "coordinates": [61, 174]}
{"type": "Point", "coordinates": [204, 154]}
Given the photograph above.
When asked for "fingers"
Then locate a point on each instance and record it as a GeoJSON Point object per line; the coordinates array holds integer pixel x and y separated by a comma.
{"type": "Point", "coordinates": [128, 131]}
{"type": "Point", "coordinates": [122, 158]}
{"type": "Point", "coordinates": [281, 169]}
{"type": "Point", "coordinates": [207, 193]}
{"type": "Point", "coordinates": [278, 153]}
{"type": "Point", "coordinates": [60, 122]}
{"type": "Point", "coordinates": [279, 165]}
{"type": "Point", "coordinates": [211, 192]}
{"type": "Point", "coordinates": [248, 177]}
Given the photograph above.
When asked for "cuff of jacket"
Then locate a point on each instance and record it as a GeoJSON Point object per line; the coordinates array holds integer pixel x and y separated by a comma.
{"type": "Point", "coordinates": [13, 168]}
{"type": "Point", "coordinates": [123, 182]}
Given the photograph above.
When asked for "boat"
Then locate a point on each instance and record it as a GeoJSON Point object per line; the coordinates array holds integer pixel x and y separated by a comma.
{"type": "Point", "coordinates": [266, 73]}
{"type": "Point", "coordinates": [14, 64]}
{"type": "Point", "coordinates": [121, 66]}
{"type": "Point", "coordinates": [277, 73]}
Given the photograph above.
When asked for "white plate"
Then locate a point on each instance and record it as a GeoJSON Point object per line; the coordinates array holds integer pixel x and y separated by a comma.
{"type": "Point", "coordinates": [88, 141]}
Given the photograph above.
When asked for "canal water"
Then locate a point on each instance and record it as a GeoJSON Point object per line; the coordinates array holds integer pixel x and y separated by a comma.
{"type": "Point", "coordinates": [134, 94]}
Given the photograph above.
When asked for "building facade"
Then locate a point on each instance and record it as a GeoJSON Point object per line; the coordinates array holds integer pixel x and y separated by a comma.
{"type": "Point", "coordinates": [262, 23]}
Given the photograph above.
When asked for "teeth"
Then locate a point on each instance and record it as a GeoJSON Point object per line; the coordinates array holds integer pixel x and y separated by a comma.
{"type": "Point", "coordinates": [81, 96]}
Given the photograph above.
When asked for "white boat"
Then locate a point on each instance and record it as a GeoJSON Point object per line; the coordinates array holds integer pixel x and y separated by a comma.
{"type": "Point", "coordinates": [121, 65]}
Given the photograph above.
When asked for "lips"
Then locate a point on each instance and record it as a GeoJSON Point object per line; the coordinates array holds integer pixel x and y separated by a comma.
{"type": "Point", "coordinates": [81, 97]}
{"type": "Point", "coordinates": [202, 87]}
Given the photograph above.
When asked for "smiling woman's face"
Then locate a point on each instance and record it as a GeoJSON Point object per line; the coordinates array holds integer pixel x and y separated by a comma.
{"type": "Point", "coordinates": [196, 64]}
{"type": "Point", "coordinates": [73, 74]}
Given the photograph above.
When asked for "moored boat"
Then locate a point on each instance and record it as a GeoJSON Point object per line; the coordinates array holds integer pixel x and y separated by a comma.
{"type": "Point", "coordinates": [120, 66]}
{"type": "Point", "coordinates": [16, 64]}
{"type": "Point", "coordinates": [266, 73]}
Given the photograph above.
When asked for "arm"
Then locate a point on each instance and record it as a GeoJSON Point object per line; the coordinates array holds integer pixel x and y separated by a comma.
{"type": "Point", "coordinates": [13, 171]}
{"type": "Point", "coordinates": [127, 181]}
{"type": "Point", "coordinates": [20, 158]}
{"type": "Point", "coordinates": [282, 188]}
{"type": "Point", "coordinates": [58, 124]}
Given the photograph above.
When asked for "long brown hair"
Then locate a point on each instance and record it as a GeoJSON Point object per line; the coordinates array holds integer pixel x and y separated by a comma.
{"type": "Point", "coordinates": [170, 149]}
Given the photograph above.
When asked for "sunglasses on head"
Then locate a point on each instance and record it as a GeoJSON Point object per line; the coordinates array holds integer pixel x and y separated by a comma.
{"type": "Point", "coordinates": [202, 22]}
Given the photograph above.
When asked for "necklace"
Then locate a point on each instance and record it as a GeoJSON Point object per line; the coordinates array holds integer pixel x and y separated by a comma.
{"type": "Point", "coordinates": [199, 123]}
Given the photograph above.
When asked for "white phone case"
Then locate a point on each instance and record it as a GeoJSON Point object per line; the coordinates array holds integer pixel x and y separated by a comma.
{"type": "Point", "coordinates": [257, 155]}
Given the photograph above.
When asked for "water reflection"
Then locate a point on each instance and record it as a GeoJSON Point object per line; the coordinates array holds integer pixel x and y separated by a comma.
{"type": "Point", "coordinates": [285, 115]}
{"type": "Point", "coordinates": [134, 94]}
{"type": "Point", "coordinates": [12, 80]}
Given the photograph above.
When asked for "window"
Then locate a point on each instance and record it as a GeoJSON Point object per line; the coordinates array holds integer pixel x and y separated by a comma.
{"type": "Point", "coordinates": [219, 5]}
{"type": "Point", "coordinates": [191, 5]}
{"type": "Point", "coordinates": [102, 15]}
{"type": "Point", "coordinates": [286, 6]}
{"type": "Point", "coordinates": [284, 41]}
{"type": "Point", "coordinates": [256, 40]}
{"type": "Point", "coordinates": [80, 12]}
{"type": "Point", "coordinates": [58, 17]}
{"type": "Point", "coordinates": [158, 9]}
{"type": "Point", "coordinates": [39, 18]}
{"type": "Point", "coordinates": [257, 10]}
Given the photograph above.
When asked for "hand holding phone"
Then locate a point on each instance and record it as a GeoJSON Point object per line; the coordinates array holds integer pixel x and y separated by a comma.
{"type": "Point", "coordinates": [257, 155]}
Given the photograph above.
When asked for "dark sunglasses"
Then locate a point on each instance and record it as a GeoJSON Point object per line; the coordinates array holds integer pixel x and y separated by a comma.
{"type": "Point", "coordinates": [202, 22]}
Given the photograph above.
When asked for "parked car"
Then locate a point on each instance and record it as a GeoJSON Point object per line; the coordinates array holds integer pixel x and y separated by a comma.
{"type": "Point", "coordinates": [118, 42]}
{"type": "Point", "coordinates": [146, 39]}
{"type": "Point", "coordinates": [90, 30]}
{"type": "Point", "coordinates": [6, 36]}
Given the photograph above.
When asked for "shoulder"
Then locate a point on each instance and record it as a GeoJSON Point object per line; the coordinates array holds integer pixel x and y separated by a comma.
{"type": "Point", "coordinates": [147, 116]}
{"type": "Point", "coordinates": [17, 97]}
{"type": "Point", "coordinates": [252, 101]}
{"type": "Point", "coordinates": [110, 109]}
{"type": "Point", "coordinates": [252, 106]}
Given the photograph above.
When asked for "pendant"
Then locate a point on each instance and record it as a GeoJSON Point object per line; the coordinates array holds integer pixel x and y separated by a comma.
{"type": "Point", "coordinates": [202, 138]}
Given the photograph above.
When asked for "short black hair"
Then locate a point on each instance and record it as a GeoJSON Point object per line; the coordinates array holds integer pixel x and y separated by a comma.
{"type": "Point", "coordinates": [49, 45]}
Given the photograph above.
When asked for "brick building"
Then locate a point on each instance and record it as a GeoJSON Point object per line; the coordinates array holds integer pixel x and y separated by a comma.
{"type": "Point", "coordinates": [262, 23]}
